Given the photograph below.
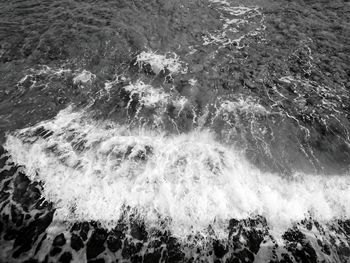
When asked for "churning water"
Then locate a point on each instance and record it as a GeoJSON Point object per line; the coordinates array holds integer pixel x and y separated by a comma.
{"type": "Point", "coordinates": [226, 141]}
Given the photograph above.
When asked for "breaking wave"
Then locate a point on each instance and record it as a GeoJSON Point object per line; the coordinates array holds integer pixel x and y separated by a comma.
{"type": "Point", "coordinates": [93, 169]}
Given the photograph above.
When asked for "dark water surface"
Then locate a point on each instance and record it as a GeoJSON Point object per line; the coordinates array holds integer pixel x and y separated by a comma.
{"type": "Point", "coordinates": [175, 131]}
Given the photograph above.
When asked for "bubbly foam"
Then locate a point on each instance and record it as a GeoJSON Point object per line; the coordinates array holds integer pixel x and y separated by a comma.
{"type": "Point", "coordinates": [148, 96]}
{"type": "Point", "coordinates": [243, 104]}
{"type": "Point", "coordinates": [84, 77]}
{"type": "Point", "coordinates": [158, 62]}
{"type": "Point", "coordinates": [91, 170]}
{"type": "Point", "coordinates": [234, 19]}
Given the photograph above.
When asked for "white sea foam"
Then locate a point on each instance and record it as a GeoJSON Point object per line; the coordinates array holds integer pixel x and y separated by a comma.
{"type": "Point", "coordinates": [193, 82]}
{"type": "Point", "coordinates": [154, 98]}
{"type": "Point", "coordinates": [49, 73]}
{"type": "Point", "coordinates": [91, 169]}
{"type": "Point", "coordinates": [84, 77]}
{"type": "Point", "coordinates": [148, 96]}
{"type": "Point", "coordinates": [233, 19]}
{"type": "Point", "coordinates": [158, 62]}
{"type": "Point", "coordinates": [248, 105]}
{"type": "Point", "coordinates": [46, 70]}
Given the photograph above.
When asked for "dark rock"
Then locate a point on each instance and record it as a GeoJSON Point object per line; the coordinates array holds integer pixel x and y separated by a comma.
{"type": "Point", "coordinates": [233, 259]}
{"type": "Point", "coordinates": [254, 240]}
{"type": "Point", "coordinates": [42, 204]}
{"type": "Point", "coordinates": [324, 247]}
{"type": "Point", "coordinates": [293, 235]}
{"type": "Point", "coordinates": [152, 257]}
{"type": "Point", "coordinates": [225, 85]}
{"type": "Point", "coordinates": [2, 150]}
{"type": "Point", "coordinates": [295, 238]}
{"type": "Point", "coordinates": [95, 245]}
{"type": "Point", "coordinates": [138, 231]}
{"type": "Point", "coordinates": [5, 218]}
{"type": "Point", "coordinates": [345, 225]}
{"type": "Point", "coordinates": [42, 132]}
{"type": "Point", "coordinates": [130, 248]}
{"type": "Point", "coordinates": [285, 258]}
{"type": "Point", "coordinates": [219, 249]}
{"type": "Point", "coordinates": [245, 255]}
{"type": "Point", "coordinates": [175, 253]}
{"type": "Point", "coordinates": [309, 225]}
{"type": "Point", "coordinates": [10, 234]}
{"type": "Point", "coordinates": [136, 259]}
{"type": "Point", "coordinates": [25, 193]}
{"type": "Point", "coordinates": [21, 184]}
{"type": "Point", "coordinates": [343, 250]}
{"type": "Point", "coordinates": [84, 230]}
{"type": "Point", "coordinates": [3, 161]}
{"type": "Point", "coordinates": [76, 243]}
{"type": "Point", "coordinates": [233, 223]}
{"type": "Point", "coordinates": [99, 260]}
{"type": "Point", "coordinates": [55, 250]}
{"type": "Point", "coordinates": [28, 235]}
{"type": "Point", "coordinates": [76, 227]}
{"type": "Point", "coordinates": [5, 186]}
{"type": "Point", "coordinates": [36, 216]}
{"type": "Point", "coordinates": [19, 220]}
{"type": "Point", "coordinates": [59, 240]}
{"type": "Point", "coordinates": [7, 174]}
{"type": "Point", "coordinates": [155, 243]}
{"type": "Point", "coordinates": [66, 257]}
{"type": "Point", "coordinates": [114, 243]}
{"type": "Point", "coordinates": [4, 199]}
{"type": "Point", "coordinates": [306, 254]}
{"type": "Point", "coordinates": [116, 236]}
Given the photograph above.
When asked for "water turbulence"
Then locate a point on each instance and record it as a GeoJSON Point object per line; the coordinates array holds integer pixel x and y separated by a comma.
{"type": "Point", "coordinates": [91, 170]}
{"type": "Point", "coordinates": [200, 148]}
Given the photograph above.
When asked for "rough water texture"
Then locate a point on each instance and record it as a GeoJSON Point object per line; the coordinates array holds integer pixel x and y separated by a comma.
{"type": "Point", "coordinates": [175, 131]}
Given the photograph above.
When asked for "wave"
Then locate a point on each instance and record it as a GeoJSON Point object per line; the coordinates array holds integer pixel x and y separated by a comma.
{"type": "Point", "coordinates": [92, 169]}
